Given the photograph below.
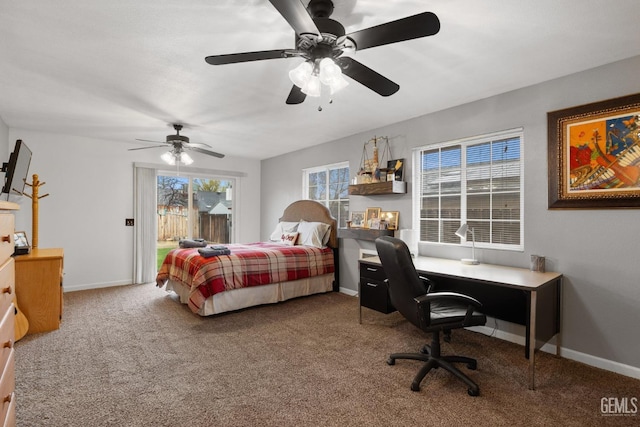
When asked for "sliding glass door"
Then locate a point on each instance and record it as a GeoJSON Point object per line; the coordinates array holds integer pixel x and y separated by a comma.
{"type": "Point", "coordinates": [193, 207]}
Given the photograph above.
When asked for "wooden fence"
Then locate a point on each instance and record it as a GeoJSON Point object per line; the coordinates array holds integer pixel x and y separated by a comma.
{"type": "Point", "coordinates": [173, 226]}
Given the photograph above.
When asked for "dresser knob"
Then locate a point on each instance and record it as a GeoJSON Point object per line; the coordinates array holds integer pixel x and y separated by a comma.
{"type": "Point", "coordinates": [8, 344]}
{"type": "Point", "coordinates": [6, 290]}
{"type": "Point", "coordinates": [7, 238]}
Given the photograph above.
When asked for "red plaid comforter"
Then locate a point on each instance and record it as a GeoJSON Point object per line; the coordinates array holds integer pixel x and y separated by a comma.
{"type": "Point", "coordinates": [250, 264]}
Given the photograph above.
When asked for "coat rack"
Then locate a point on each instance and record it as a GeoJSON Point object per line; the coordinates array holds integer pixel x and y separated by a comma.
{"type": "Point", "coordinates": [35, 185]}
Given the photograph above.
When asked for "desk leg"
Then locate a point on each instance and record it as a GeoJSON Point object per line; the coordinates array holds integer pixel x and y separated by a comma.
{"type": "Point", "coordinates": [359, 304]}
{"type": "Point", "coordinates": [532, 340]}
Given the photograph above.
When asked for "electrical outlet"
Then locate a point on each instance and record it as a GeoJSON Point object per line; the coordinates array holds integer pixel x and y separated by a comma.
{"type": "Point", "coordinates": [128, 222]}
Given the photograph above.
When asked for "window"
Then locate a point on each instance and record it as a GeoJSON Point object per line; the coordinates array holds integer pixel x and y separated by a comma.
{"type": "Point", "coordinates": [330, 186]}
{"type": "Point", "coordinates": [477, 181]}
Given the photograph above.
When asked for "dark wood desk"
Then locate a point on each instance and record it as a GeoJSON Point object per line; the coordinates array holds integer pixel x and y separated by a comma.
{"type": "Point", "coordinates": [513, 294]}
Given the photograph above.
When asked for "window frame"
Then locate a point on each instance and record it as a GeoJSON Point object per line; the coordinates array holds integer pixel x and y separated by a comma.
{"type": "Point", "coordinates": [464, 143]}
{"type": "Point", "coordinates": [342, 202]}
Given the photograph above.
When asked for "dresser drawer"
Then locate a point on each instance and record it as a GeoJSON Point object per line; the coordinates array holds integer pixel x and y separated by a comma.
{"type": "Point", "coordinates": [6, 236]}
{"type": "Point", "coordinates": [7, 386]}
{"type": "Point", "coordinates": [6, 336]}
{"type": "Point", "coordinates": [372, 271]}
{"type": "Point", "coordinates": [7, 288]}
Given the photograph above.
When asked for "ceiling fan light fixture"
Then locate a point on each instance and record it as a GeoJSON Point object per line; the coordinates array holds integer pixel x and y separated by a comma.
{"type": "Point", "coordinates": [185, 159]}
{"type": "Point", "coordinates": [301, 74]}
{"type": "Point", "coordinates": [312, 86]}
{"type": "Point", "coordinates": [168, 158]}
{"type": "Point", "coordinates": [338, 84]}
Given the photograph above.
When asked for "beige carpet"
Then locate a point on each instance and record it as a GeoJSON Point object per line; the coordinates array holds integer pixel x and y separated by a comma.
{"type": "Point", "coordinates": [133, 356]}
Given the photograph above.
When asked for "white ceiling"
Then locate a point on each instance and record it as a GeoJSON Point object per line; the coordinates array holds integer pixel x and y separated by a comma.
{"type": "Point", "coordinates": [121, 69]}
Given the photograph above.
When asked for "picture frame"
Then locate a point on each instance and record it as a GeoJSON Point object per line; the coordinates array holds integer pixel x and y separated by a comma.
{"type": "Point", "coordinates": [357, 219]}
{"type": "Point", "coordinates": [594, 155]}
{"type": "Point", "coordinates": [20, 239]}
{"type": "Point", "coordinates": [397, 165]}
{"type": "Point", "coordinates": [391, 218]}
{"type": "Point", "coordinates": [372, 218]}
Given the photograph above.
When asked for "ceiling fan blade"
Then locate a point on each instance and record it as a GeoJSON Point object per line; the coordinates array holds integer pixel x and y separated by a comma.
{"type": "Point", "coordinates": [296, 96]}
{"type": "Point", "coordinates": [412, 27]}
{"type": "Point", "coordinates": [197, 144]}
{"type": "Point", "coordinates": [210, 153]}
{"type": "Point", "coordinates": [366, 76]}
{"type": "Point", "coordinates": [295, 13]}
{"type": "Point", "coordinates": [233, 58]}
{"type": "Point", "coordinates": [148, 140]}
{"type": "Point", "coordinates": [146, 148]}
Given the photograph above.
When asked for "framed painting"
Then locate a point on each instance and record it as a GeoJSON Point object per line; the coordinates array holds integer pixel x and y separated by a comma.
{"type": "Point", "coordinates": [357, 219]}
{"type": "Point", "coordinates": [594, 155]}
{"type": "Point", "coordinates": [372, 218]}
{"type": "Point", "coordinates": [391, 219]}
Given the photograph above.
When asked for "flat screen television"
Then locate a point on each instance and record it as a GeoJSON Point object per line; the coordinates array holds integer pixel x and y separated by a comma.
{"type": "Point", "coordinates": [16, 170]}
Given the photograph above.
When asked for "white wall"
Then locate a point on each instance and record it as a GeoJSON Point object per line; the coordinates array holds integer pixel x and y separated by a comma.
{"type": "Point", "coordinates": [4, 142]}
{"type": "Point", "coordinates": [596, 250]}
{"type": "Point", "coordinates": [90, 187]}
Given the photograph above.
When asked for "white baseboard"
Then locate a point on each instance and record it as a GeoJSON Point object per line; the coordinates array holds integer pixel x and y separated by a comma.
{"type": "Point", "coordinates": [85, 287]}
{"type": "Point", "coordinates": [348, 291]}
{"type": "Point", "coordinates": [550, 347]}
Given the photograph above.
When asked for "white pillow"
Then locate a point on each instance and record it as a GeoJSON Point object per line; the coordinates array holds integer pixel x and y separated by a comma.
{"type": "Point", "coordinates": [283, 227]}
{"type": "Point", "coordinates": [289, 239]}
{"type": "Point", "coordinates": [313, 234]}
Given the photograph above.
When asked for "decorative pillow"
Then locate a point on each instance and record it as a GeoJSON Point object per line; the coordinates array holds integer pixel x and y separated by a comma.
{"type": "Point", "coordinates": [313, 234]}
{"type": "Point", "coordinates": [283, 227]}
{"type": "Point", "coordinates": [289, 239]}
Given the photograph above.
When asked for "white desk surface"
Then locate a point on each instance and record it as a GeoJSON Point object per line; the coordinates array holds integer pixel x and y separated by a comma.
{"type": "Point", "coordinates": [503, 275]}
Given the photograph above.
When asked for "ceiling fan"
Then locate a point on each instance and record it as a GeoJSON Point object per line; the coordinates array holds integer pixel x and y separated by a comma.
{"type": "Point", "coordinates": [319, 38]}
{"type": "Point", "coordinates": [179, 144]}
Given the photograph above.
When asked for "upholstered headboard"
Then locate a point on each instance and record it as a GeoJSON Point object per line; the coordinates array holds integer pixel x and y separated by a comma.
{"type": "Point", "coordinates": [312, 211]}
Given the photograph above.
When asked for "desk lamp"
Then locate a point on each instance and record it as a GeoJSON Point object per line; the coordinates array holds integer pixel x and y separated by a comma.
{"type": "Point", "coordinates": [462, 233]}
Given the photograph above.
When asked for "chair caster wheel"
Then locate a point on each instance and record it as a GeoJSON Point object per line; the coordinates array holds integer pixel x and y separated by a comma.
{"type": "Point", "coordinates": [391, 361]}
{"type": "Point", "coordinates": [473, 366]}
{"type": "Point", "coordinates": [474, 391]}
{"type": "Point", "coordinates": [415, 387]}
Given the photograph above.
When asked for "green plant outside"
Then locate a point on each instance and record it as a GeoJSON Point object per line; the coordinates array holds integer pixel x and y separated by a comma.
{"type": "Point", "coordinates": [162, 252]}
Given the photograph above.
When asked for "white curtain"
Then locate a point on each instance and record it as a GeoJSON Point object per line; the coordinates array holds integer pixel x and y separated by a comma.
{"type": "Point", "coordinates": [145, 206]}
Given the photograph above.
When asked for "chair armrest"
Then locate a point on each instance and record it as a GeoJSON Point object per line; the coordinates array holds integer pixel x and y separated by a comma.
{"type": "Point", "coordinates": [424, 305]}
{"type": "Point", "coordinates": [434, 296]}
{"type": "Point", "coordinates": [427, 283]}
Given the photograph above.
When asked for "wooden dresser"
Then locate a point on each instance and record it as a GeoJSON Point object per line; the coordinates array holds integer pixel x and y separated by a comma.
{"type": "Point", "coordinates": [39, 288]}
{"type": "Point", "coordinates": [7, 314]}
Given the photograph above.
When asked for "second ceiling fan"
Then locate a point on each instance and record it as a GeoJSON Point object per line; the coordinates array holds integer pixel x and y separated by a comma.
{"type": "Point", "coordinates": [323, 44]}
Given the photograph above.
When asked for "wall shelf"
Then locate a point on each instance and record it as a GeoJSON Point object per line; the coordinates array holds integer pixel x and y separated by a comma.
{"type": "Point", "coordinates": [363, 233]}
{"type": "Point", "coordinates": [377, 188]}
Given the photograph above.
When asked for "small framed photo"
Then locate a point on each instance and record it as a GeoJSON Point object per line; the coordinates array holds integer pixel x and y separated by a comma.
{"type": "Point", "coordinates": [372, 218]}
{"type": "Point", "coordinates": [391, 218]}
{"type": "Point", "coordinates": [20, 239]}
{"type": "Point", "coordinates": [357, 219]}
{"type": "Point", "coordinates": [21, 243]}
{"type": "Point", "coordinates": [397, 165]}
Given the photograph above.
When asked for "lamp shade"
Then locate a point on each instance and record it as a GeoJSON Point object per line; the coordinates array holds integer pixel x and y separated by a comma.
{"type": "Point", "coordinates": [462, 231]}
{"type": "Point", "coordinates": [185, 159]}
{"type": "Point", "coordinates": [312, 87]}
{"type": "Point", "coordinates": [300, 75]}
{"type": "Point", "coordinates": [169, 158]}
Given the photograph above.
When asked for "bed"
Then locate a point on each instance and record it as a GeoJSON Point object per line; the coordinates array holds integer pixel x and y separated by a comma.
{"type": "Point", "coordinates": [300, 259]}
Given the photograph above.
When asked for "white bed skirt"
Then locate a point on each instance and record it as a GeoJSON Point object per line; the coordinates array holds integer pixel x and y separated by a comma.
{"type": "Point", "coordinates": [237, 299]}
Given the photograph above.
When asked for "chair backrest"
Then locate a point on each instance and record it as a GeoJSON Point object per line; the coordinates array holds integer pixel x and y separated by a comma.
{"type": "Point", "coordinates": [404, 282]}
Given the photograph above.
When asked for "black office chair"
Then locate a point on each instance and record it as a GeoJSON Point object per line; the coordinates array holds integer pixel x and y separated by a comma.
{"type": "Point", "coordinates": [433, 312]}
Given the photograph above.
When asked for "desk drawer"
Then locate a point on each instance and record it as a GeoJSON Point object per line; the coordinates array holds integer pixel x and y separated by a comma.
{"type": "Point", "coordinates": [374, 294]}
{"type": "Point", "coordinates": [372, 271]}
